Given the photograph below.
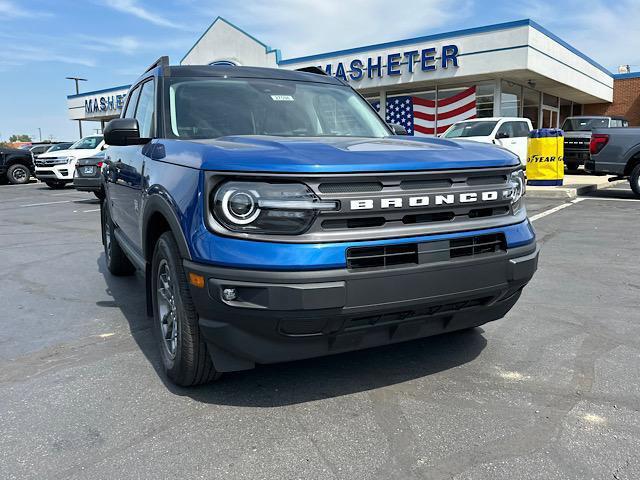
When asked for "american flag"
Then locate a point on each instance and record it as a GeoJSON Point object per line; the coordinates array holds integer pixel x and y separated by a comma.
{"type": "Point", "coordinates": [418, 116]}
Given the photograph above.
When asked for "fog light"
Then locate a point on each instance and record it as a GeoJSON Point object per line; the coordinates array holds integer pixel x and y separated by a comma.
{"type": "Point", "coordinates": [229, 294]}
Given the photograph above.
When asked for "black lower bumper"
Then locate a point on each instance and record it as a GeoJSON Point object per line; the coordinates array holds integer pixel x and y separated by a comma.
{"type": "Point", "coordinates": [87, 184]}
{"type": "Point", "coordinates": [281, 316]}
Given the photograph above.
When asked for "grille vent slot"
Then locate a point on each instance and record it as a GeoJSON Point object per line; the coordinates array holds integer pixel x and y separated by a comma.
{"type": "Point", "coordinates": [350, 187]}
{"type": "Point", "coordinates": [478, 245]}
{"type": "Point", "coordinates": [428, 252]}
{"type": "Point", "coordinates": [382, 257]}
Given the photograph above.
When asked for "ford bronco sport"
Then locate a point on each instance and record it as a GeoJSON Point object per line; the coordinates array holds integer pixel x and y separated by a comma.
{"type": "Point", "coordinates": [275, 217]}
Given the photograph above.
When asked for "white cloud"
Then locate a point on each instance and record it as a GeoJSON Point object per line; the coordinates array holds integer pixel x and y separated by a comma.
{"type": "Point", "coordinates": [300, 27]}
{"type": "Point", "coordinates": [9, 9]}
{"type": "Point", "coordinates": [129, 45]}
{"type": "Point", "coordinates": [132, 7]}
{"type": "Point", "coordinates": [19, 55]}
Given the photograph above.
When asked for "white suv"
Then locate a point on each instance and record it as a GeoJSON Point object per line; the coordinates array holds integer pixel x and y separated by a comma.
{"type": "Point", "coordinates": [508, 132]}
{"type": "Point", "coordinates": [56, 169]}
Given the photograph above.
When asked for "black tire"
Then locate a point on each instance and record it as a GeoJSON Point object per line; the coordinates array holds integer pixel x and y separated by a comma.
{"type": "Point", "coordinates": [572, 166]}
{"type": "Point", "coordinates": [99, 194]}
{"type": "Point", "coordinates": [18, 174]}
{"type": "Point", "coordinates": [56, 185]}
{"type": "Point", "coordinates": [117, 262]}
{"type": "Point", "coordinates": [634, 180]}
{"type": "Point", "coordinates": [190, 363]}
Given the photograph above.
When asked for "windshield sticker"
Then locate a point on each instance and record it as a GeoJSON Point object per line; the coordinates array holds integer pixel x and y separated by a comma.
{"type": "Point", "coordinates": [282, 98]}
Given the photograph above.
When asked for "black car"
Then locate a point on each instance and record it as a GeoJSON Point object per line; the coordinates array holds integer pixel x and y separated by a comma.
{"type": "Point", "coordinates": [16, 165]}
{"type": "Point", "coordinates": [87, 177]}
{"type": "Point", "coordinates": [59, 146]}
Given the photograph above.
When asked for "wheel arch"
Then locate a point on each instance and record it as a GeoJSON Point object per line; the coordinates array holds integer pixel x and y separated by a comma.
{"type": "Point", "coordinates": [632, 160]}
{"type": "Point", "coordinates": [159, 216]}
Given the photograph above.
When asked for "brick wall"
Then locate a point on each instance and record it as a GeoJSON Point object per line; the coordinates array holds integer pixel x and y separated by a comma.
{"type": "Point", "coordinates": [626, 101]}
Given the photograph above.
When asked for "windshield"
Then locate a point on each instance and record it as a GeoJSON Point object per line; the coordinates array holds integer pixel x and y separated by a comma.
{"type": "Point", "coordinates": [584, 124]}
{"type": "Point", "coordinates": [59, 146]}
{"type": "Point", "coordinates": [470, 129]}
{"type": "Point", "coordinates": [214, 107]}
{"type": "Point", "coordinates": [87, 143]}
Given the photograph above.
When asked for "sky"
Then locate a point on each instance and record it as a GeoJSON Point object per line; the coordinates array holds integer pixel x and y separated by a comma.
{"type": "Point", "coordinates": [110, 42]}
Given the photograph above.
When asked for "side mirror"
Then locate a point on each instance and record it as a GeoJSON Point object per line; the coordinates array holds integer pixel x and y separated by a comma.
{"type": "Point", "coordinates": [501, 135]}
{"type": "Point", "coordinates": [122, 132]}
{"type": "Point", "coordinates": [397, 129]}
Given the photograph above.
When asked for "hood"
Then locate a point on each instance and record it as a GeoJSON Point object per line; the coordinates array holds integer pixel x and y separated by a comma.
{"type": "Point", "coordinates": [333, 154]}
{"type": "Point", "coordinates": [76, 153]}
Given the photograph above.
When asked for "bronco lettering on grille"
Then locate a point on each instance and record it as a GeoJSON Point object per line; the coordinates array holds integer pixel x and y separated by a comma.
{"type": "Point", "coordinates": [429, 200]}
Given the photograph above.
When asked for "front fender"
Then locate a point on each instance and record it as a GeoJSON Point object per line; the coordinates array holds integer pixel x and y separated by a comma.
{"type": "Point", "coordinates": [160, 201]}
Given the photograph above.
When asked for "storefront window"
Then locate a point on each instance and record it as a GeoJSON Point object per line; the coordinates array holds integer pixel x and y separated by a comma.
{"type": "Point", "coordinates": [484, 100]}
{"type": "Point", "coordinates": [550, 100]}
{"type": "Point", "coordinates": [531, 105]}
{"type": "Point", "coordinates": [565, 109]}
{"type": "Point", "coordinates": [577, 109]}
{"type": "Point", "coordinates": [510, 99]}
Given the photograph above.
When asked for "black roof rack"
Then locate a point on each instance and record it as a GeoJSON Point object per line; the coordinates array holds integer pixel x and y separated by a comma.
{"type": "Point", "coordinates": [316, 70]}
{"type": "Point", "coordinates": [161, 62]}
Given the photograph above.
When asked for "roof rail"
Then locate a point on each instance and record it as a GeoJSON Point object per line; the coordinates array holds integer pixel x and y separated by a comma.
{"type": "Point", "coordinates": [316, 70]}
{"type": "Point", "coordinates": [161, 62]}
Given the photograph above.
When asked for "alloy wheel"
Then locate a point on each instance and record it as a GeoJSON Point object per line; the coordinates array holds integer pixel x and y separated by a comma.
{"type": "Point", "coordinates": [167, 311]}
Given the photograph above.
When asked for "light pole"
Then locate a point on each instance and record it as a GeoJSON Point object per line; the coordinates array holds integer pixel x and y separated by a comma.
{"type": "Point", "coordinates": [40, 133]}
{"type": "Point", "coordinates": [78, 79]}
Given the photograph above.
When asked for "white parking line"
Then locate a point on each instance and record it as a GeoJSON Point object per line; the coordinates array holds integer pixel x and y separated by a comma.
{"type": "Point", "coordinates": [554, 209]}
{"type": "Point", "coordinates": [608, 199]}
{"type": "Point", "coordinates": [45, 203]}
{"type": "Point", "coordinates": [92, 210]}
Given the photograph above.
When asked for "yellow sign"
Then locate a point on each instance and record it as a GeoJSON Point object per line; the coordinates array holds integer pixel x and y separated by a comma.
{"type": "Point", "coordinates": [545, 162]}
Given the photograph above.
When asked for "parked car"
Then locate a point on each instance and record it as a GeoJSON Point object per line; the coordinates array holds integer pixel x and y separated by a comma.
{"type": "Point", "coordinates": [56, 147]}
{"type": "Point", "coordinates": [509, 132]}
{"type": "Point", "coordinates": [56, 168]}
{"type": "Point", "coordinates": [39, 148]}
{"type": "Point", "coordinates": [271, 229]}
{"type": "Point", "coordinates": [88, 174]}
{"type": "Point", "coordinates": [577, 135]}
{"type": "Point", "coordinates": [16, 165]}
{"type": "Point", "coordinates": [616, 151]}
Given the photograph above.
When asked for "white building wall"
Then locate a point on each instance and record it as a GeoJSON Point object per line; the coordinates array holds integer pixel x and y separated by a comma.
{"type": "Point", "coordinates": [556, 62]}
{"type": "Point", "coordinates": [223, 41]}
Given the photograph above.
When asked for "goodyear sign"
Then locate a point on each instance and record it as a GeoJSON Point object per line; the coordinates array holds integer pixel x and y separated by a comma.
{"type": "Point", "coordinates": [545, 161]}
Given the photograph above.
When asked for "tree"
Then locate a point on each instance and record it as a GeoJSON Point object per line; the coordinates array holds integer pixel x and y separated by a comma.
{"type": "Point", "coordinates": [19, 138]}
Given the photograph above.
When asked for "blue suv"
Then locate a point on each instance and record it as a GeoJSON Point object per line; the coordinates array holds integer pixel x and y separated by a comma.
{"type": "Point", "coordinates": [276, 216]}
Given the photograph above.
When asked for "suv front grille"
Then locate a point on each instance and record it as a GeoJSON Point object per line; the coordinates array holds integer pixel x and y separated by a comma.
{"type": "Point", "coordinates": [385, 205]}
{"type": "Point", "coordinates": [389, 256]}
{"type": "Point", "coordinates": [47, 162]}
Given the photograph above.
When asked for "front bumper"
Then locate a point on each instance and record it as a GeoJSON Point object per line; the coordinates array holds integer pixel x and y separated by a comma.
{"type": "Point", "coordinates": [57, 172]}
{"type": "Point", "coordinates": [280, 316]}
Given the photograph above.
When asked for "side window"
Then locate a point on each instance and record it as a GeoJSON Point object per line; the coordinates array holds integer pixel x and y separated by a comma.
{"type": "Point", "coordinates": [520, 129]}
{"type": "Point", "coordinates": [144, 112]}
{"type": "Point", "coordinates": [131, 103]}
{"type": "Point", "coordinates": [625, 123]}
{"type": "Point", "coordinates": [505, 130]}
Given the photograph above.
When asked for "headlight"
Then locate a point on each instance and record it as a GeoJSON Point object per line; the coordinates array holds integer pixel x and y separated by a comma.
{"type": "Point", "coordinates": [518, 188]}
{"type": "Point", "coordinates": [270, 208]}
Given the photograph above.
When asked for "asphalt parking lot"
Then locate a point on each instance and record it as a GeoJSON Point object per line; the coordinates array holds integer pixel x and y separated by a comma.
{"type": "Point", "coordinates": [550, 392]}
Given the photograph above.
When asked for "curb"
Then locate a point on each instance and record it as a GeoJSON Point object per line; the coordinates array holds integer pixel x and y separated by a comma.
{"type": "Point", "coordinates": [567, 192]}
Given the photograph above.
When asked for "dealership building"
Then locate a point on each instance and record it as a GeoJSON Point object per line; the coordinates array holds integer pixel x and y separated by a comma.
{"type": "Point", "coordinates": [515, 69]}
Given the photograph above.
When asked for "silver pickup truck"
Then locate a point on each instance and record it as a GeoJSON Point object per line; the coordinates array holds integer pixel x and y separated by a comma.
{"type": "Point", "coordinates": [577, 133]}
{"type": "Point", "coordinates": [616, 151]}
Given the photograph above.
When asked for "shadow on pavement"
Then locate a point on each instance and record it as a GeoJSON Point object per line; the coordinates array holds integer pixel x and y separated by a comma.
{"type": "Point", "coordinates": [620, 192]}
{"type": "Point", "coordinates": [305, 380]}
